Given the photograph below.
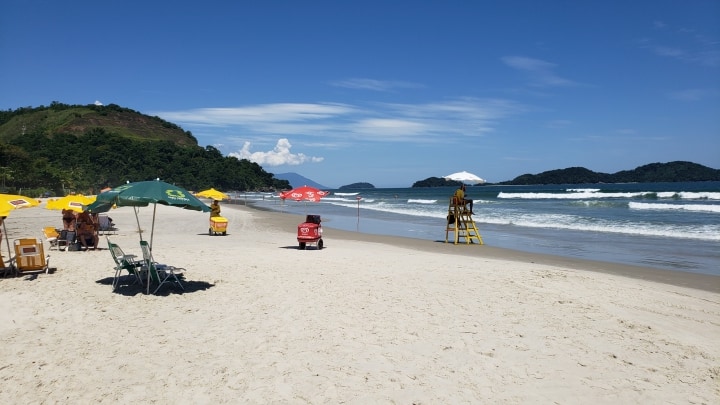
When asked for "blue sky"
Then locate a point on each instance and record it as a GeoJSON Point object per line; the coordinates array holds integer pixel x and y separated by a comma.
{"type": "Point", "coordinates": [389, 92]}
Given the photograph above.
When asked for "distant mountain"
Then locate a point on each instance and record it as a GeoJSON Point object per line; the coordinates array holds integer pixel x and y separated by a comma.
{"type": "Point", "coordinates": [356, 186]}
{"type": "Point", "coordinates": [436, 182]}
{"type": "Point", "coordinates": [651, 173]}
{"type": "Point", "coordinates": [297, 180]}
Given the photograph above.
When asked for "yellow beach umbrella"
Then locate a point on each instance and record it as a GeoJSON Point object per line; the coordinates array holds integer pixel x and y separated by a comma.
{"type": "Point", "coordinates": [213, 194]}
{"type": "Point", "coordinates": [71, 202]}
{"type": "Point", "coordinates": [10, 202]}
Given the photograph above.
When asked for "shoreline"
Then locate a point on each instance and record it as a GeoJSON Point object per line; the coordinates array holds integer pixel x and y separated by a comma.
{"type": "Point", "coordinates": [699, 281]}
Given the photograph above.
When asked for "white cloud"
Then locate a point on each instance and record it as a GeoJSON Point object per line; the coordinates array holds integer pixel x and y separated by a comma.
{"type": "Point", "coordinates": [98, 102]}
{"type": "Point", "coordinates": [333, 123]}
{"type": "Point", "coordinates": [280, 155]}
{"type": "Point", "coordinates": [261, 113]}
{"type": "Point", "coordinates": [540, 72]}
{"type": "Point", "coordinates": [556, 124]}
{"type": "Point", "coordinates": [384, 129]}
{"type": "Point", "coordinates": [693, 94]}
{"type": "Point", "coordinates": [683, 44]}
{"type": "Point", "coordinates": [372, 84]}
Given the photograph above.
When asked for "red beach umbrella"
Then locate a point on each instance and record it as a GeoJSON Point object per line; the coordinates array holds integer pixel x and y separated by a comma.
{"type": "Point", "coordinates": [304, 193]}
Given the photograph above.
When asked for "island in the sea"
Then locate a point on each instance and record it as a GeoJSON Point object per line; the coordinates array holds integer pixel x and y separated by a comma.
{"type": "Point", "coordinates": [356, 186]}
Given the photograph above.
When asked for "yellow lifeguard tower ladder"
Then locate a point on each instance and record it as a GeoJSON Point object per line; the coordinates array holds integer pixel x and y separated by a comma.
{"type": "Point", "coordinates": [461, 224]}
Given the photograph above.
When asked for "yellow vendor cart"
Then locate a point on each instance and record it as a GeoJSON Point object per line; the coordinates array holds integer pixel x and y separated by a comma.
{"type": "Point", "coordinates": [218, 226]}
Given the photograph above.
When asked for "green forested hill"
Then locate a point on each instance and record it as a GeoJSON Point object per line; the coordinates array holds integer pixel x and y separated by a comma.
{"type": "Point", "coordinates": [651, 173]}
{"type": "Point", "coordinates": [78, 119]}
{"type": "Point", "coordinates": [70, 148]}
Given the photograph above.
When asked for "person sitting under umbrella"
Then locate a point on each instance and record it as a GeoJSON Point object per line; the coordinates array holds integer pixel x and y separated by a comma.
{"type": "Point", "coordinates": [87, 230]}
{"type": "Point", "coordinates": [460, 198]}
{"type": "Point", "coordinates": [68, 219]}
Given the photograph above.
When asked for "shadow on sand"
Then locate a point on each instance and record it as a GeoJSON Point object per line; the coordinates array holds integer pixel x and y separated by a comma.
{"type": "Point", "coordinates": [129, 287]}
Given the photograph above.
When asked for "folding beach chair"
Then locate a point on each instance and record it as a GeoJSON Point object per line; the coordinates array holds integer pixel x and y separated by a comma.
{"type": "Point", "coordinates": [30, 256]}
{"type": "Point", "coordinates": [106, 226]}
{"type": "Point", "coordinates": [124, 262]}
{"type": "Point", "coordinates": [51, 236]}
{"type": "Point", "coordinates": [67, 240]}
{"type": "Point", "coordinates": [159, 273]}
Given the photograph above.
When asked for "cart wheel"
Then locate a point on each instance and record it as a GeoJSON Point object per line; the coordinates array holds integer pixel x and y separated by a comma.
{"type": "Point", "coordinates": [224, 233]}
{"type": "Point", "coordinates": [302, 245]}
{"type": "Point", "coordinates": [320, 244]}
{"type": "Point", "coordinates": [210, 231]}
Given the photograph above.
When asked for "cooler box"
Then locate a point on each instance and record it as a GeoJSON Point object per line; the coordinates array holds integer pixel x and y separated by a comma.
{"type": "Point", "coordinates": [310, 232]}
{"type": "Point", "coordinates": [218, 225]}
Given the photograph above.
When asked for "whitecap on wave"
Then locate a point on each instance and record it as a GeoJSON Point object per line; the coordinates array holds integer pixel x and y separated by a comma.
{"type": "Point", "coordinates": [681, 207]}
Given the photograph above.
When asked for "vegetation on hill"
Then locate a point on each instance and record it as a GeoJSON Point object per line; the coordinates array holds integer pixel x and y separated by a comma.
{"type": "Point", "coordinates": [64, 148]}
{"type": "Point", "coordinates": [652, 173]}
{"type": "Point", "coordinates": [436, 182]}
{"type": "Point", "coordinates": [79, 119]}
{"type": "Point", "coordinates": [356, 186]}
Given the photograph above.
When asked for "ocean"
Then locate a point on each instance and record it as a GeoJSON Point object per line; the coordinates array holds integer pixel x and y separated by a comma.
{"type": "Point", "coordinates": [672, 226]}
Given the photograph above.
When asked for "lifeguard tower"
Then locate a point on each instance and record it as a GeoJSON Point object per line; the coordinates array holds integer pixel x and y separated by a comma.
{"type": "Point", "coordinates": [461, 224]}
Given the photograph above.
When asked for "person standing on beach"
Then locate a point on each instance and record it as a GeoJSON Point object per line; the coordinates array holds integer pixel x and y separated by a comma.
{"type": "Point", "coordinates": [460, 198]}
{"type": "Point", "coordinates": [215, 209]}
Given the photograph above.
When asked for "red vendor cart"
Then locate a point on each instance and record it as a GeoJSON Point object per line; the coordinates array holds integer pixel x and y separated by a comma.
{"type": "Point", "coordinates": [310, 232]}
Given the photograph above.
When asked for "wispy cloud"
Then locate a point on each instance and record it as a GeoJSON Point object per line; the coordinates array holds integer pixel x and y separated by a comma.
{"type": "Point", "coordinates": [626, 131]}
{"type": "Point", "coordinates": [257, 114]}
{"type": "Point", "coordinates": [374, 85]}
{"type": "Point", "coordinates": [683, 44]}
{"type": "Point", "coordinates": [539, 72]}
{"type": "Point", "coordinates": [693, 94]}
{"type": "Point", "coordinates": [449, 121]}
{"type": "Point", "coordinates": [619, 137]}
{"type": "Point", "coordinates": [557, 124]}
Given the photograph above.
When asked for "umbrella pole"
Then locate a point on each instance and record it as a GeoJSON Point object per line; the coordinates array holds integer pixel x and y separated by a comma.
{"type": "Point", "coordinates": [5, 235]}
{"type": "Point", "coordinates": [152, 232]}
{"type": "Point", "coordinates": [138, 221]}
{"type": "Point", "coordinates": [136, 209]}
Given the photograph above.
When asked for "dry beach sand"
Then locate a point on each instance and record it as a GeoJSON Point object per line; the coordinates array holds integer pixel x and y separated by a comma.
{"type": "Point", "coordinates": [367, 320]}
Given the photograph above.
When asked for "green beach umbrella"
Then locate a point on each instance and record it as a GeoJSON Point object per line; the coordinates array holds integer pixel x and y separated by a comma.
{"type": "Point", "coordinates": [144, 193]}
